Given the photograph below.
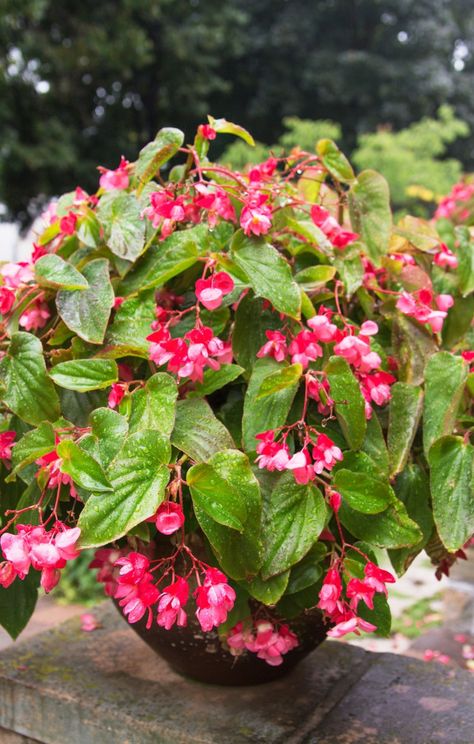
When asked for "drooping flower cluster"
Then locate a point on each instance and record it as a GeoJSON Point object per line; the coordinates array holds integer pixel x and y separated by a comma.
{"type": "Point", "coordinates": [270, 642]}
{"type": "Point", "coordinates": [7, 439]}
{"type": "Point", "coordinates": [339, 610]}
{"type": "Point", "coordinates": [451, 206]}
{"type": "Point", "coordinates": [315, 456]}
{"type": "Point", "coordinates": [337, 235]}
{"type": "Point", "coordinates": [115, 179]}
{"type": "Point", "coordinates": [190, 355]}
{"type": "Point", "coordinates": [34, 547]}
{"type": "Point", "coordinates": [426, 307]}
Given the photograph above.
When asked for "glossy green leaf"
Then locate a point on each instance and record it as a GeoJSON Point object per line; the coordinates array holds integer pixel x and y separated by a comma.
{"type": "Point", "coordinates": [465, 255]}
{"type": "Point", "coordinates": [87, 311]}
{"type": "Point", "coordinates": [85, 374]}
{"type": "Point", "coordinates": [459, 321]}
{"type": "Point", "coordinates": [391, 528]}
{"type": "Point", "coordinates": [222, 126]}
{"type": "Point", "coordinates": [405, 409]}
{"type": "Point", "coordinates": [83, 469]}
{"type": "Point", "coordinates": [17, 603]}
{"type": "Point", "coordinates": [215, 379]}
{"type": "Point", "coordinates": [25, 387]}
{"type": "Point", "coordinates": [223, 488]}
{"type": "Point", "coordinates": [315, 277]}
{"type": "Point", "coordinates": [413, 489]}
{"type": "Point", "coordinates": [197, 432]}
{"type": "Point", "coordinates": [127, 334]}
{"type": "Point", "coordinates": [252, 320]}
{"type": "Point", "coordinates": [33, 445]}
{"type": "Point", "coordinates": [350, 269]}
{"type": "Point", "coordinates": [155, 154]}
{"type": "Point", "coordinates": [374, 445]}
{"type": "Point", "coordinates": [268, 591]}
{"type": "Point", "coordinates": [334, 160]}
{"type": "Point", "coordinates": [268, 411]}
{"type": "Point", "coordinates": [154, 405]}
{"type": "Point", "coordinates": [308, 571]}
{"type": "Point", "coordinates": [52, 271]}
{"type": "Point", "coordinates": [451, 473]}
{"type": "Point", "coordinates": [293, 519]}
{"type": "Point", "coordinates": [138, 476]}
{"type": "Point", "coordinates": [268, 273]}
{"type": "Point", "coordinates": [413, 345]}
{"type": "Point", "coordinates": [349, 403]}
{"type": "Point", "coordinates": [165, 260]}
{"type": "Point", "coordinates": [282, 379]}
{"type": "Point", "coordinates": [123, 228]}
{"type": "Point", "coordinates": [362, 492]}
{"type": "Point", "coordinates": [110, 428]}
{"type": "Point", "coordinates": [371, 216]}
{"type": "Point", "coordinates": [446, 377]}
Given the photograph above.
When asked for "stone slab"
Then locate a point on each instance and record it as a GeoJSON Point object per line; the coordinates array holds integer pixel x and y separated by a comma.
{"type": "Point", "coordinates": [108, 687]}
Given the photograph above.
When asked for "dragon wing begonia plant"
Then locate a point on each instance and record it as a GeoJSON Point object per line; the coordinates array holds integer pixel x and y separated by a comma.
{"type": "Point", "coordinates": [260, 360]}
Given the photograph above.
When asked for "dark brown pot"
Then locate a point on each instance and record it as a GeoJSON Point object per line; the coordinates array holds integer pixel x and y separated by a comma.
{"type": "Point", "coordinates": [202, 656]}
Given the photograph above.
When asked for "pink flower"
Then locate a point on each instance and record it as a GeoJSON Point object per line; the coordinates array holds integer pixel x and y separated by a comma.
{"type": "Point", "coordinates": [115, 179]}
{"type": "Point", "coordinates": [105, 560]}
{"type": "Point", "coordinates": [329, 596]}
{"type": "Point", "coordinates": [302, 467]}
{"type": "Point", "coordinates": [211, 291]}
{"type": "Point", "coordinates": [215, 202]}
{"type": "Point", "coordinates": [352, 625]}
{"type": "Point", "coordinates": [165, 210]}
{"type": "Point", "coordinates": [116, 395]}
{"type": "Point", "coordinates": [35, 317]}
{"type": "Point", "coordinates": [319, 391]}
{"type": "Point", "coordinates": [16, 550]}
{"type": "Point", "coordinates": [270, 644]}
{"type": "Point", "coordinates": [206, 131]}
{"type": "Point", "coordinates": [256, 216]}
{"type": "Point", "coordinates": [7, 300]}
{"type": "Point", "coordinates": [356, 351]}
{"type": "Point", "coordinates": [322, 329]}
{"type": "Point", "coordinates": [6, 443]}
{"type": "Point", "coordinates": [38, 252]}
{"type": "Point", "coordinates": [444, 301]}
{"type": "Point", "coordinates": [135, 589]}
{"type": "Point", "coordinates": [17, 274]}
{"type": "Point", "coordinates": [171, 603]}
{"type": "Point", "coordinates": [445, 257]}
{"type": "Point", "coordinates": [169, 518]}
{"type": "Point", "coordinates": [304, 348]}
{"type": "Point", "coordinates": [357, 590]}
{"type": "Point", "coordinates": [421, 309]}
{"type": "Point", "coordinates": [7, 574]}
{"type": "Point", "coordinates": [51, 465]}
{"type": "Point", "coordinates": [376, 387]}
{"type": "Point", "coordinates": [271, 455]}
{"type": "Point", "coordinates": [67, 224]}
{"type": "Point", "coordinates": [325, 454]}
{"type": "Point", "coordinates": [262, 171]}
{"type": "Point", "coordinates": [214, 600]}
{"type": "Point", "coordinates": [88, 622]}
{"type": "Point", "coordinates": [335, 500]}
{"type": "Point", "coordinates": [337, 235]}
{"type": "Point", "coordinates": [376, 578]}
{"type": "Point", "coordinates": [275, 346]}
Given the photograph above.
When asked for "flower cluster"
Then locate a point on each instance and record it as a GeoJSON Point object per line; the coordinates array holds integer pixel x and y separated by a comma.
{"type": "Point", "coordinates": [338, 610]}
{"type": "Point", "coordinates": [33, 546]}
{"type": "Point", "coordinates": [50, 469]}
{"type": "Point", "coordinates": [337, 235]}
{"type": "Point", "coordinates": [304, 464]}
{"type": "Point", "coordinates": [270, 642]}
{"type": "Point", "coordinates": [190, 355]}
{"type": "Point", "coordinates": [452, 205]}
{"type": "Point", "coordinates": [426, 307]}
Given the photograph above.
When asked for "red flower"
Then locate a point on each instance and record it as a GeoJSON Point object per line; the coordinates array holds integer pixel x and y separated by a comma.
{"type": "Point", "coordinates": [171, 603]}
{"type": "Point", "coordinates": [206, 131]}
{"type": "Point", "coordinates": [169, 518]}
{"type": "Point", "coordinates": [67, 224]}
{"type": "Point", "coordinates": [6, 442]}
{"type": "Point", "coordinates": [115, 179]}
{"type": "Point", "coordinates": [211, 291]}
{"type": "Point", "coordinates": [275, 346]}
{"type": "Point", "coordinates": [256, 216]}
{"type": "Point", "coordinates": [214, 600]}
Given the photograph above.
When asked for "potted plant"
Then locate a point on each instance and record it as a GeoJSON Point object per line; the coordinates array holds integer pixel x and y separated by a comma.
{"type": "Point", "coordinates": [240, 388]}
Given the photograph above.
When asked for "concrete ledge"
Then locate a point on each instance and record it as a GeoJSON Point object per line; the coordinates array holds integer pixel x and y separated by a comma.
{"type": "Point", "coordinates": [107, 687]}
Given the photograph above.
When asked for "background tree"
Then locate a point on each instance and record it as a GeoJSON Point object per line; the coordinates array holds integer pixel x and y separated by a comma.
{"type": "Point", "coordinates": [82, 83]}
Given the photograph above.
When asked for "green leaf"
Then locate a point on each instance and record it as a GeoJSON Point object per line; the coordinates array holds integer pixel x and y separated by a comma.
{"type": "Point", "coordinates": [404, 416]}
{"type": "Point", "coordinates": [315, 277]}
{"type": "Point", "coordinates": [52, 271]}
{"type": "Point", "coordinates": [26, 388]}
{"type": "Point", "coordinates": [413, 345]}
{"type": "Point", "coordinates": [223, 487]}
{"type": "Point", "coordinates": [167, 259]}
{"type": "Point", "coordinates": [197, 432]}
{"type": "Point", "coordinates": [215, 379]}
{"type": "Point", "coordinates": [465, 254]}
{"type": "Point", "coordinates": [17, 603]}
{"type": "Point", "coordinates": [155, 154]}
{"type": "Point", "coordinates": [333, 159]}
{"type": "Point", "coordinates": [127, 335]}
{"type": "Point", "coordinates": [413, 489]}
{"type": "Point", "coordinates": [87, 311]}
{"type": "Point", "coordinates": [391, 528]}
{"type": "Point", "coordinates": [83, 469]}
{"type": "Point", "coordinates": [451, 471]}
{"type": "Point", "coordinates": [110, 429]}
{"type": "Point", "coordinates": [369, 204]}
{"type": "Point", "coordinates": [374, 445]}
{"type": "Point", "coordinates": [350, 269]}
{"type": "Point", "coordinates": [293, 519]}
{"type": "Point", "coordinates": [268, 591]}
{"type": "Point", "coordinates": [268, 412]}
{"type": "Point", "coordinates": [85, 374]}
{"type": "Point", "coordinates": [222, 126]}
{"type": "Point", "coordinates": [33, 445]}
{"type": "Point", "coordinates": [138, 476]}
{"type": "Point", "coordinates": [446, 377]}
{"type": "Point", "coordinates": [88, 230]}
{"type": "Point", "coordinates": [282, 379]}
{"type": "Point", "coordinates": [124, 229]}
{"type": "Point", "coordinates": [459, 321]}
{"type": "Point", "coordinates": [308, 571]}
{"type": "Point", "coordinates": [350, 407]}
{"type": "Point", "coordinates": [268, 273]}
{"type": "Point", "coordinates": [362, 492]}
{"type": "Point", "coordinates": [380, 616]}
{"type": "Point", "coordinates": [252, 320]}
{"type": "Point", "coordinates": [154, 405]}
